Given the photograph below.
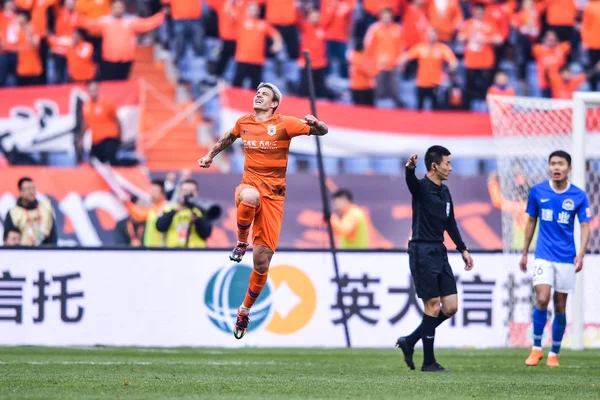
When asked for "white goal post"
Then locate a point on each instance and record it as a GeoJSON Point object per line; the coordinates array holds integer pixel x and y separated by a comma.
{"type": "Point", "coordinates": [526, 130]}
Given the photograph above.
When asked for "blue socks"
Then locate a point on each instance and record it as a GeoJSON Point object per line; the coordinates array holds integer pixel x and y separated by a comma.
{"type": "Point", "coordinates": [558, 330]}
{"type": "Point", "coordinates": [539, 322]}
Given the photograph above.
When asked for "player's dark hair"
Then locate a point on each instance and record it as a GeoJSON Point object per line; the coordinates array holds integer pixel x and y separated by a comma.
{"type": "Point", "coordinates": [561, 154]}
{"type": "Point", "coordinates": [193, 182]}
{"type": "Point", "coordinates": [435, 154]}
{"type": "Point", "coordinates": [23, 180]}
{"type": "Point", "coordinates": [343, 193]}
{"type": "Point", "coordinates": [160, 183]}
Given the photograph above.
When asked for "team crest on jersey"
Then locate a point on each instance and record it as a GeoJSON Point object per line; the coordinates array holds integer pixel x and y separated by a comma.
{"type": "Point", "coordinates": [272, 130]}
{"type": "Point", "coordinates": [568, 205]}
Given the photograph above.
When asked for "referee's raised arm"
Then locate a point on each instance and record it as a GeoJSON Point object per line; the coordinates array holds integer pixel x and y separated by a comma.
{"type": "Point", "coordinates": [411, 179]}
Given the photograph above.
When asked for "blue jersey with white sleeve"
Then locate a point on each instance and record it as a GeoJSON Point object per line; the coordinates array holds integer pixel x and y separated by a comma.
{"type": "Point", "coordinates": [556, 212]}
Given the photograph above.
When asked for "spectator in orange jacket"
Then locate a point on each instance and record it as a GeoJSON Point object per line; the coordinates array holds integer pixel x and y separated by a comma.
{"type": "Point", "coordinates": [563, 83]}
{"type": "Point", "coordinates": [561, 16]}
{"type": "Point", "coordinates": [228, 16]}
{"type": "Point", "coordinates": [29, 62]}
{"type": "Point", "coordinates": [41, 14]}
{"type": "Point", "coordinates": [500, 86]}
{"type": "Point", "coordinates": [363, 71]}
{"type": "Point", "coordinates": [446, 17]}
{"type": "Point", "coordinates": [283, 16]}
{"type": "Point", "coordinates": [100, 116]}
{"type": "Point", "coordinates": [313, 41]}
{"type": "Point", "coordinates": [250, 51]}
{"type": "Point", "coordinates": [590, 35]}
{"type": "Point", "coordinates": [118, 33]}
{"type": "Point", "coordinates": [479, 37]}
{"type": "Point", "coordinates": [431, 57]}
{"type": "Point", "coordinates": [384, 44]}
{"type": "Point", "coordinates": [550, 56]}
{"type": "Point", "coordinates": [527, 24]}
{"type": "Point", "coordinates": [66, 23]}
{"type": "Point", "coordinates": [8, 40]}
{"type": "Point", "coordinates": [187, 26]}
{"type": "Point", "coordinates": [79, 55]}
{"type": "Point", "coordinates": [337, 18]}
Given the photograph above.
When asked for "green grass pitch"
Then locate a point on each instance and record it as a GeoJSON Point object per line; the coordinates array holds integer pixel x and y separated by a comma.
{"type": "Point", "coordinates": [251, 373]}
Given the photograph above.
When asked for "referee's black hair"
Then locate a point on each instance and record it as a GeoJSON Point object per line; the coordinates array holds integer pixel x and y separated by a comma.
{"type": "Point", "coordinates": [435, 154]}
{"type": "Point", "coordinates": [343, 193]}
{"type": "Point", "coordinates": [561, 154]}
{"type": "Point", "coordinates": [23, 180]}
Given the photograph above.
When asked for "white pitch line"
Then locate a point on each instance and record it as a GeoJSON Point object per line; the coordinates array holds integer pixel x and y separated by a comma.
{"type": "Point", "coordinates": [206, 362]}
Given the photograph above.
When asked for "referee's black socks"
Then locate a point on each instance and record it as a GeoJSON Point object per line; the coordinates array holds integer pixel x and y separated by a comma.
{"type": "Point", "coordinates": [414, 337]}
{"type": "Point", "coordinates": [428, 336]}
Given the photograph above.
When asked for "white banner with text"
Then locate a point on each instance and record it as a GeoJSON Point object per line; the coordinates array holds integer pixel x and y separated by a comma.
{"type": "Point", "coordinates": [163, 298]}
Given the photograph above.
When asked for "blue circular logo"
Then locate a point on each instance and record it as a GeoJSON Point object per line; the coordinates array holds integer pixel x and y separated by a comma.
{"type": "Point", "coordinates": [225, 292]}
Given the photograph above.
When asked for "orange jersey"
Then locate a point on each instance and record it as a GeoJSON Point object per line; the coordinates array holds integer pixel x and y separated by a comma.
{"type": "Point", "coordinates": [337, 17]}
{"type": "Point", "coordinates": [362, 71]}
{"type": "Point", "coordinates": [79, 57]}
{"type": "Point", "coordinates": [228, 16]}
{"type": "Point", "coordinates": [185, 9]}
{"type": "Point", "coordinates": [561, 12]}
{"type": "Point", "coordinates": [101, 119]}
{"type": "Point", "coordinates": [445, 21]}
{"type": "Point", "coordinates": [528, 22]}
{"type": "Point", "coordinates": [506, 91]}
{"type": "Point", "coordinates": [384, 44]}
{"type": "Point", "coordinates": [313, 40]}
{"type": "Point", "coordinates": [415, 25]}
{"type": "Point", "coordinates": [93, 9]}
{"type": "Point", "coordinates": [9, 32]}
{"type": "Point", "coordinates": [29, 62]}
{"type": "Point", "coordinates": [375, 6]}
{"type": "Point", "coordinates": [479, 52]}
{"type": "Point", "coordinates": [549, 60]}
{"type": "Point", "coordinates": [590, 25]}
{"type": "Point", "coordinates": [431, 62]}
{"type": "Point", "coordinates": [281, 12]}
{"type": "Point", "coordinates": [562, 89]}
{"type": "Point", "coordinates": [250, 45]}
{"type": "Point", "coordinates": [267, 146]}
{"type": "Point", "coordinates": [66, 22]}
{"type": "Point", "coordinates": [498, 16]}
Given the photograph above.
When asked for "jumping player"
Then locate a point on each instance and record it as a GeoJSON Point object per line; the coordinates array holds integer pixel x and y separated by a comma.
{"type": "Point", "coordinates": [556, 203]}
{"type": "Point", "coordinates": [259, 198]}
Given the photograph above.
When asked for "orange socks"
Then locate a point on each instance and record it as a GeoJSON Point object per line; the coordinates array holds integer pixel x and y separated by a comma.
{"type": "Point", "coordinates": [245, 216]}
{"type": "Point", "coordinates": [257, 282]}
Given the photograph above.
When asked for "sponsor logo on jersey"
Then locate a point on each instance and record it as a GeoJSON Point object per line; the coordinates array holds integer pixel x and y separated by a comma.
{"type": "Point", "coordinates": [568, 205]}
{"type": "Point", "coordinates": [563, 217]}
{"type": "Point", "coordinates": [588, 212]}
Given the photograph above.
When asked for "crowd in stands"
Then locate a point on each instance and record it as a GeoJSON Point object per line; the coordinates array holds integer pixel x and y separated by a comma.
{"type": "Point", "coordinates": [449, 53]}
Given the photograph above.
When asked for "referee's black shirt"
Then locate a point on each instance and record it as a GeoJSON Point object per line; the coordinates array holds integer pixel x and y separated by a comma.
{"type": "Point", "coordinates": [432, 211]}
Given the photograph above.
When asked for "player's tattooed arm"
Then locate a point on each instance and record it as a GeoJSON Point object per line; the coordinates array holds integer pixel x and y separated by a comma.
{"type": "Point", "coordinates": [319, 129]}
{"type": "Point", "coordinates": [316, 127]}
{"type": "Point", "coordinates": [224, 142]}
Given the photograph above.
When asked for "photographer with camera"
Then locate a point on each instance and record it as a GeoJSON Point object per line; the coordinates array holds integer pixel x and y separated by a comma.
{"type": "Point", "coordinates": [189, 222]}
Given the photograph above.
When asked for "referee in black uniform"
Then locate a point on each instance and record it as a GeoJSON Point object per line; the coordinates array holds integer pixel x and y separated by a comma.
{"type": "Point", "coordinates": [433, 213]}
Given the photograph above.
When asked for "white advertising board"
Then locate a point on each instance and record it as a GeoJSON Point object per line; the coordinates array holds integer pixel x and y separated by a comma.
{"type": "Point", "coordinates": [163, 298]}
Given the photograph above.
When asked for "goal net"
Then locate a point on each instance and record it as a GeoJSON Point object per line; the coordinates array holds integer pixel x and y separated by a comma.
{"type": "Point", "coordinates": [526, 130]}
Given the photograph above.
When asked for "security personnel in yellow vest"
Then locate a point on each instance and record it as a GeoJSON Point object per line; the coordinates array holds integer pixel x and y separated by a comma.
{"type": "Point", "coordinates": [32, 218]}
{"type": "Point", "coordinates": [184, 224]}
{"type": "Point", "coordinates": [152, 236]}
{"type": "Point", "coordinates": [352, 228]}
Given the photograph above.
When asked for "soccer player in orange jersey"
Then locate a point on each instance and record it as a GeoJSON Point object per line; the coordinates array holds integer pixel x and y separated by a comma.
{"type": "Point", "coordinates": [259, 197]}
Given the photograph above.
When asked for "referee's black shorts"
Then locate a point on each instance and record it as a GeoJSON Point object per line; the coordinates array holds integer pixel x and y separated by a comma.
{"type": "Point", "coordinates": [430, 269]}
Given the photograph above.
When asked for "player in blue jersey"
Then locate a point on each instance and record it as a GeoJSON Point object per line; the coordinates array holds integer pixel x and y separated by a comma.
{"type": "Point", "coordinates": [556, 203]}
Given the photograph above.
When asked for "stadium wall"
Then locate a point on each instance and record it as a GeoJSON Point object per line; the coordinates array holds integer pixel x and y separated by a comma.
{"type": "Point", "coordinates": [189, 298]}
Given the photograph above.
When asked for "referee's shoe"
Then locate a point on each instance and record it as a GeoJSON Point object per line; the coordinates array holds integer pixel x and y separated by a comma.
{"type": "Point", "coordinates": [408, 352]}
